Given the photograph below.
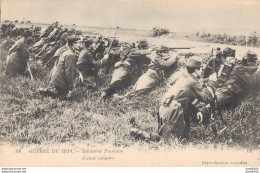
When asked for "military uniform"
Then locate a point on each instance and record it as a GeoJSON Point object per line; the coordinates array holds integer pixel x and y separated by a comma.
{"type": "Point", "coordinates": [56, 55]}
{"type": "Point", "coordinates": [176, 106]}
{"type": "Point", "coordinates": [233, 82]}
{"type": "Point", "coordinates": [99, 50]}
{"type": "Point", "coordinates": [51, 35]}
{"type": "Point", "coordinates": [154, 74]}
{"type": "Point", "coordinates": [17, 59]}
{"type": "Point", "coordinates": [232, 86]}
{"type": "Point", "coordinates": [89, 66]}
{"type": "Point", "coordinates": [127, 69]}
{"type": "Point", "coordinates": [64, 36]}
{"type": "Point", "coordinates": [47, 31]}
{"type": "Point", "coordinates": [40, 43]}
{"type": "Point", "coordinates": [63, 71]}
{"type": "Point", "coordinates": [50, 51]}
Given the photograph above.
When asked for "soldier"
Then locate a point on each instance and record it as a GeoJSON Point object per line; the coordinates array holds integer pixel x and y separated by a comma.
{"type": "Point", "coordinates": [62, 74]}
{"type": "Point", "coordinates": [88, 65]}
{"type": "Point", "coordinates": [98, 47]}
{"type": "Point", "coordinates": [160, 63]}
{"type": "Point", "coordinates": [228, 52]}
{"type": "Point", "coordinates": [213, 61]}
{"type": "Point", "coordinates": [50, 51]}
{"type": "Point", "coordinates": [97, 41]}
{"type": "Point", "coordinates": [127, 69]}
{"type": "Point", "coordinates": [50, 62]}
{"type": "Point", "coordinates": [231, 84]}
{"type": "Point", "coordinates": [18, 56]}
{"type": "Point", "coordinates": [52, 34]}
{"type": "Point", "coordinates": [59, 33]}
{"type": "Point", "coordinates": [14, 32]}
{"type": "Point", "coordinates": [99, 51]}
{"type": "Point", "coordinates": [36, 47]}
{"type": "Point", "coordinates": [47, 31]}
{"type": "Point", "coordinates": [249, 61]}
{"type": "Point", "coordinates": [176, 108]}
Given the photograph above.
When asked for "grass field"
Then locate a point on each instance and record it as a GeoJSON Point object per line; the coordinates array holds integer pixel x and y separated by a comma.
{"type": "Point", "coordinates": [28, 118]}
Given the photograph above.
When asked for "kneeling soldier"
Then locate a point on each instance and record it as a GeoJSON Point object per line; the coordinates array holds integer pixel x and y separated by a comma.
{"type": "Point", "coordinates": [176, 107]}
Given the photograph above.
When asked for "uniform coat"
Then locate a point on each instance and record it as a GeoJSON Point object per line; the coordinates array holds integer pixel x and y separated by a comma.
{"type": "Point", "coordinates": [17, 59]}
{"type": "Point", "coordinates": [154, 74]}
{"type": "Point", "coordinates": [237, 85]}
{"type": "Point", "coordinates": [63, 71]}
{"type": "Point", "coordinates": [127, 69]}
{"type": "Point", "coordinates": [175, 109]}
{"type": "Point", "coordinates": [89, 66]}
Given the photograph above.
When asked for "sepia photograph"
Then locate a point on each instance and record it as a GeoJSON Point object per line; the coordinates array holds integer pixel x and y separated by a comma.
{"type": "Point", "coordinates": [130, 83]}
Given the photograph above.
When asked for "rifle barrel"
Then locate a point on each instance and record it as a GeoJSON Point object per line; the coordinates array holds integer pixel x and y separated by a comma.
{"type": "Point", "coordinates": [171, 48]}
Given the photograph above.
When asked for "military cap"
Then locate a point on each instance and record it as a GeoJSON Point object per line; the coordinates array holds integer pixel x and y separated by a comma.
{"type": "Point", "coordinates": [87, 41]}
{"type": "Point", "coordinates": [87, 37]}
{"type": "Point", "coordinates": [194, 61]}
{"type": "Point", "coordinates": [229, 52]}
{"type": "Point", "coordinates": [142, 44]}
{"type": "Point", "coordinates": [163, 49]}
{"type": "Point", "coordinates": [72, 39]}
{"type": "Point", "coordinates": [250, 56]}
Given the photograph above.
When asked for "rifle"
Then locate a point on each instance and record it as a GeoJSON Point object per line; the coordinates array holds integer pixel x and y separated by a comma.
{"type": "Point", "coordinates": [213, 114]}
{"type": "Point", "coordinates": [29, 67]}
{"type": "Point", "coordinates": [173, 48]}
{"type": "Point", "coordinates": [80, 75]}
{"type": "Point", "coordinates": [214, 61]}
{"type": "Point", "coordinates": [112, 42]}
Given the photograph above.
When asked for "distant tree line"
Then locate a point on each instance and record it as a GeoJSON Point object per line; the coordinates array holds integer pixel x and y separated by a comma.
{"type": "Point", "coordinates": [156, 31]}
{"type": "Point", "coordinates": [252, 39]}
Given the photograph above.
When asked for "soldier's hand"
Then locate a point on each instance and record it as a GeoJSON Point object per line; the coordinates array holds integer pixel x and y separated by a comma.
{"type": "Point", "coordinates": [106, 57]}
{"type": "Point", "coordinates": [174, 55]}
{"type": "Point", "coordinates": [152, 55]}
{"type": "Point", "coordinates": [200, 117]}
{"type": "Point", "coordinates": [69, 95]}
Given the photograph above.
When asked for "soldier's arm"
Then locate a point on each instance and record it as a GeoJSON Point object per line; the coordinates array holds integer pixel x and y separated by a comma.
{"type": "Point", "coordinates": [164, 64]}
{"type": "Point", "coordinates": [201, 93]}
{"type": "Point", "coordinates": [140, 52]}
{"type": "Point", "coordinates": [70, 70]}
{"type": "Point", "coordinates": [103, 61]}
{"type": "Point", "coordinates": [250, 80]}
{"type": "Point", "coordinates": [83, 58]}
{"type": "Point", "coordinates": [15, 46]}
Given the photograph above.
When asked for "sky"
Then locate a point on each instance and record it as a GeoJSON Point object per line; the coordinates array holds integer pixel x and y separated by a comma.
{"type": "Point", "coordinates": [177, 15]}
